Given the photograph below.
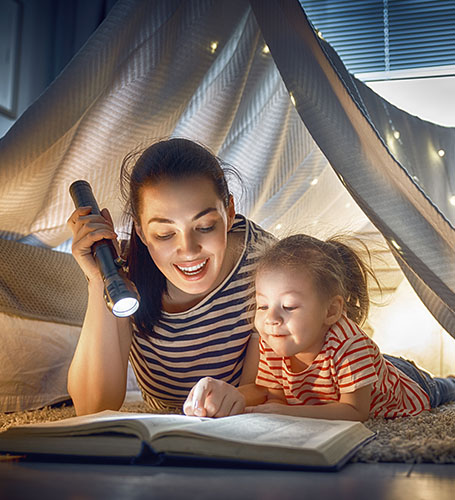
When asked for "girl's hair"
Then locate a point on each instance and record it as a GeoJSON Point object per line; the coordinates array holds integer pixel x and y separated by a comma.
{"type": "Point", "coordinates": [170, 159]}
{"type": "Point", "coordinates": [334, 266]}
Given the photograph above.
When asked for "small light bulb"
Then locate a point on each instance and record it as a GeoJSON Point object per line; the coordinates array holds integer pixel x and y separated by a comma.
{"type": "Point", "coordinates": [452, 200]}
{"type": "Point", "coordinates": [266, 49]}
{"type": "Point", "coordinates": [348, 205]}
{"type": "Point", "coordinates": [395, 244]}
{"type": "Point", "coordinates": [278, 226]}
{"type": "Point", "coordinates": [320, 35]}
{"type": "Point", "coordinates": [292, 98]}
{"type": "Point", "coordinates": [213, 47]}
{"type": "Point", "coordinates": [314, 182]}
{"type": "Point", "coordinates": [125, 307]}
{"type": "Point", "coordinates": [396, 134]}
{"type": "Point", "coordinates": [441, 153]}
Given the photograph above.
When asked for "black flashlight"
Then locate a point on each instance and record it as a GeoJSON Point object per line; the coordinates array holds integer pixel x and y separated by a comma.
{"type": "Point", "coordinates": [120, 293]}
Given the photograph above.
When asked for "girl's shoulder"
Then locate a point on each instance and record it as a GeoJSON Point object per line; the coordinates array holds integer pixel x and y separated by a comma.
{"type": "Point", "coordinates": [346, 336]}
{"type": "Point", "coordinates": [346, 329]}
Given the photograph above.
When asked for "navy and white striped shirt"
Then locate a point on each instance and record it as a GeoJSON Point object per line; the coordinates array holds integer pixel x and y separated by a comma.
{"type": "Point", "coordinates": [210, 339]}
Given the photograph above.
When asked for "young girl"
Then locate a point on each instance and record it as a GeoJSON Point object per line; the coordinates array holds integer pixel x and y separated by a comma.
{"type": "Point", "coordinates": [191, 258]}
{"type": "Point", "coordinates": [315, 361]}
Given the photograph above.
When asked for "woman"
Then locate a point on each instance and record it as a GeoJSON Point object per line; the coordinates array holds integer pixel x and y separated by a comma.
{"type": "Point", "coordinates": [191, 258]}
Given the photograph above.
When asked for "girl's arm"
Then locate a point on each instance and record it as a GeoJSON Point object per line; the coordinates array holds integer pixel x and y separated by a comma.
{"type": "Point", "coordinates": [351, 406]}
{"type": "Point", "coordinates": [253, 394]}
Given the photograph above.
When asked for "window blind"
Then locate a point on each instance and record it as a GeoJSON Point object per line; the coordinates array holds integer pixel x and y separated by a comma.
{"type": "Point", "coordinates": [387, 35]}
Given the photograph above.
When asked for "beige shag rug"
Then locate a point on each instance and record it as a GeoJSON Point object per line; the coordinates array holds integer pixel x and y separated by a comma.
{"type": "Point", "coordinates": [429, 437]}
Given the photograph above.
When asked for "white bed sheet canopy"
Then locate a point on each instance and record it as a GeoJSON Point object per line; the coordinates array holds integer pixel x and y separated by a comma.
{"type": "Point", "coordinates": [253, 82]}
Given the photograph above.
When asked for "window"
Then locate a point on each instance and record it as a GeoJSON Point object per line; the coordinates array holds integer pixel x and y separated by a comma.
{"type": "Point", "coordinates": [382, 36]}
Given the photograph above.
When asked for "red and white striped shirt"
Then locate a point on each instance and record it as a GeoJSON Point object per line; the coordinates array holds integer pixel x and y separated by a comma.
{"type": "Point", "coordinates": [348, 360]}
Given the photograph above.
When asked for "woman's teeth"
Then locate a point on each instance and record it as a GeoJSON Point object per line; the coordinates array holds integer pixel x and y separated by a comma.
{"type": "Point", "coordinates": [192, 269]}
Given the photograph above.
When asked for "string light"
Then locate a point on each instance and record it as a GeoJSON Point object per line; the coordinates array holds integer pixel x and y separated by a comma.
{"type": "Point", "coordinates": [441, 153]}
{"type": "Point", "coordinates": [213, 47]}
{"type": "Point", "coordinates": [314, 182]}
{"type": "Point", "coordinates": [292, 98]}
{"type": "Point", "coordinates": [452, 200]}
{"type": "Point", "coordinates": [266, 49]}
{"type": "Point", "coordinates": [395, 244]}
{"type": "Point", "coordinates": [396, 134]}
{"type": "Point", "coordinates": [320, 35]}
{"type": "Point", "coordinates": [278, 226]}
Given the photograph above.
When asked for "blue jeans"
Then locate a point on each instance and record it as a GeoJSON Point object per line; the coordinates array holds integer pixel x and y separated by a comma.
{"type": "Point", "coordinates": [440, 390]}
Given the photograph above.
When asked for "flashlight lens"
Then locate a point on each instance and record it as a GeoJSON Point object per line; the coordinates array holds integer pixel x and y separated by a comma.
{"type": "Point", "coordinates": [125, 307]}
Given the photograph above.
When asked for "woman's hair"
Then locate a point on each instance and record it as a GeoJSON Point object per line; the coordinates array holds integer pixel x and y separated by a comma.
{"type": "Point", "coordinates": [166, 160]}
{"type": "Point", "coordinates": [334, 266]}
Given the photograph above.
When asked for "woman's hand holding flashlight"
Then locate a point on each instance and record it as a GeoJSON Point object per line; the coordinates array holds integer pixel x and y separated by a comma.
{"type": "Point", "coordinates": [88, 228]}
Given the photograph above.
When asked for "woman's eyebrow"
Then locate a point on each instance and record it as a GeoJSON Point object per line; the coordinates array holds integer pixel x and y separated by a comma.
{"type": "Point", "coordinates": [204, 212]}
{"type": "Point", "coordinates": [163, 220]}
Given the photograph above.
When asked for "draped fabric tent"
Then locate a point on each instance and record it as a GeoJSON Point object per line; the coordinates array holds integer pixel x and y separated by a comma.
{"type": "Point", "coordinates": [251, 80]}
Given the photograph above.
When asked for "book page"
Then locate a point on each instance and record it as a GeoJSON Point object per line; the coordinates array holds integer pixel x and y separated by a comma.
{"type": "Point", "coordinates": [138, 424]}
{"type": "Point", "coordinates": [270, 429]}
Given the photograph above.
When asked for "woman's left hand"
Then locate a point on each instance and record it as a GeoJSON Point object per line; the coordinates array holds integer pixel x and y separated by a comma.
{"type": "Point", "coordinates": [213, 398]}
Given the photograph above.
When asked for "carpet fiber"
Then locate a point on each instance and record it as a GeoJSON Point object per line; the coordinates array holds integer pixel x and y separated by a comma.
{"type": "Point", "coordinates": [429, 437]}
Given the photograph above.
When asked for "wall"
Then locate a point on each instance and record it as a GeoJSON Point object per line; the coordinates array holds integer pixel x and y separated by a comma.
{"type": "Point", "coordinates": [431, 99]}
{"type": "Point", "coordinates": [34, 61]}
{"type": "Point", "coordinates": [52, 32]}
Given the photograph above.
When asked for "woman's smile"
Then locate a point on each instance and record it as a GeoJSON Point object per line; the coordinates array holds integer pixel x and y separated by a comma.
{"type": "Point", "coordinates": [193, 271]}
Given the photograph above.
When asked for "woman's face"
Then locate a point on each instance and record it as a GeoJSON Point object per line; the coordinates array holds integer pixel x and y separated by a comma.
{"type": "Point", "coordinates": [184, 225]}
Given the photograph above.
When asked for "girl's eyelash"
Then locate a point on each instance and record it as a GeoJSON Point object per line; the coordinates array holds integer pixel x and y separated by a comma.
{"type": "Point", "coordinates": [286, 308]}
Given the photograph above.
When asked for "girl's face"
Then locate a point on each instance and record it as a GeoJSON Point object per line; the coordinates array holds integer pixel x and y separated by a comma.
{"type": "Point", "coordinates": [291, 316]}
{"type": "Point", "coordinates": [184, 225]}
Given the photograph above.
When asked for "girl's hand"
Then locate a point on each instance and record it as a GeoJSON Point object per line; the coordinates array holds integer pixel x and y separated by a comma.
{"type": "Point", "coordinates": [213, 398]}
{"type": "Point", "coordinates": [87, 229]}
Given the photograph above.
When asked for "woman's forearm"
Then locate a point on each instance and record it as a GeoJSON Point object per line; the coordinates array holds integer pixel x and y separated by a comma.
{"type": "Point", "coordinates": [98, 372]}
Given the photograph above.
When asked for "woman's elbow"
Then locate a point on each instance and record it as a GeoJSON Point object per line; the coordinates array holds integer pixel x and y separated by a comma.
{"type": "Point", "coordinates": [87, 407]}
{"type": "Point", "coordinates": [86, 402]}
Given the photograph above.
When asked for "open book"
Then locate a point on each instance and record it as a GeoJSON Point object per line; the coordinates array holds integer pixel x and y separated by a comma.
{"type": "Point", "coordinates": [254, 438]}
